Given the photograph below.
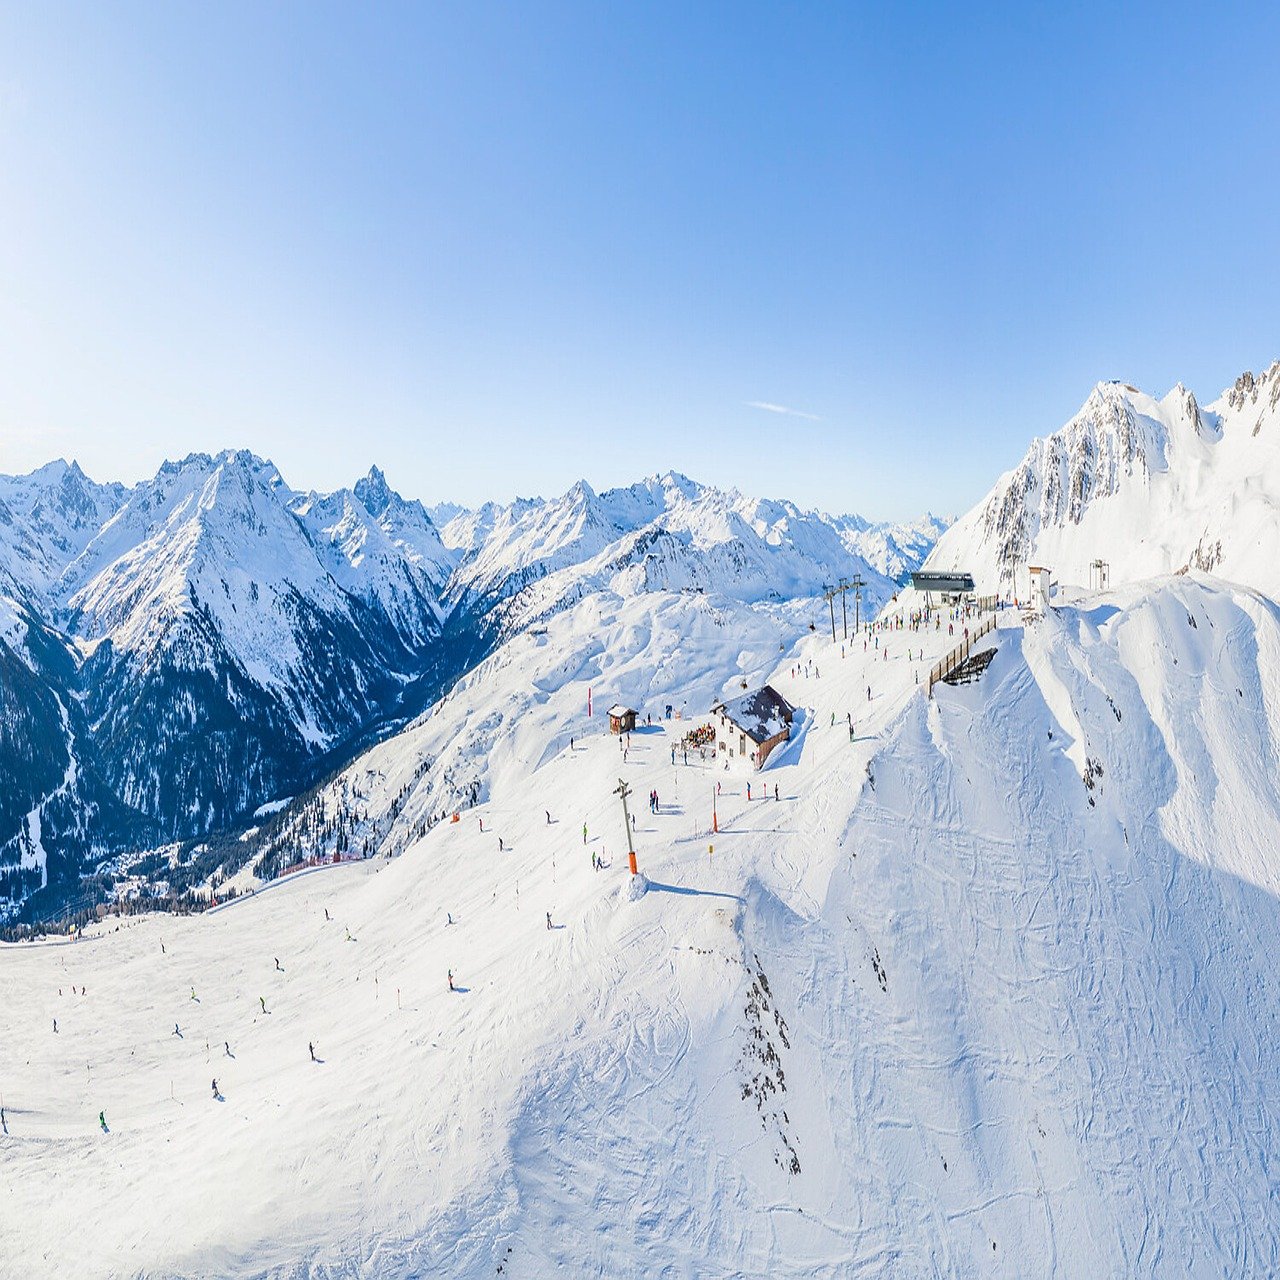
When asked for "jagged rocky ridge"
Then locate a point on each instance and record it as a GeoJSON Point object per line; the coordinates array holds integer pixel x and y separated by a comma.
{"type": "Point", "coordinates": [1149, 486]}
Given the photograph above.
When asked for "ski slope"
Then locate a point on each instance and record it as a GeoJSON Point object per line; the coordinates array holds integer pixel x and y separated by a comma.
{"type": "Point", "coordinates": [939, 1009]}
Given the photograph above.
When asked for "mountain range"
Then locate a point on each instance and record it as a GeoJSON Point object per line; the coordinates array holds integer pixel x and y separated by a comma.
{"type": "Point", "coordinates": [175, 654]}
{"type": "Point", "coordinates": [971, 979]}
{"type": "Point", "coordinates": [178, 653]}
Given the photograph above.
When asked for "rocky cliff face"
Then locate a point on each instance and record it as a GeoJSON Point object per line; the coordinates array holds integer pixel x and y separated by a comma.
{"type": "Point", "coordinates": [1151, 486]}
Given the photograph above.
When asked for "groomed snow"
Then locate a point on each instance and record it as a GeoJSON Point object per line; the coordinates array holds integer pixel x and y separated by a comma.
{"type": "Point", "coordinates": [1005, 1030]}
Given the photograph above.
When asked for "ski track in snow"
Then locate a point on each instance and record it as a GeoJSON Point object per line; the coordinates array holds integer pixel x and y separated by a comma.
{"type": "Point", "coordinates": [1020, 1033]}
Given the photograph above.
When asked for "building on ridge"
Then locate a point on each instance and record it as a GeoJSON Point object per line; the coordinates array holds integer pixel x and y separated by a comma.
{"type": "Point", "coordinates": [750, 727]}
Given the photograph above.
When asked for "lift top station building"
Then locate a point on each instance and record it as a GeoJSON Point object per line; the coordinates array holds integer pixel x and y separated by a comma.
{"type": "Point", "coordinates": [1041, 587]}
{"type": "Point", "coordinates": [953, 586]}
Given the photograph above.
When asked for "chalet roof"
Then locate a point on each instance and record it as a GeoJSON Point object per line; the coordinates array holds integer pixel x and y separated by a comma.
{"type": "Point", "coordinates": [761, 715]}
{"type": "Point", "coordinates": [618, 710]}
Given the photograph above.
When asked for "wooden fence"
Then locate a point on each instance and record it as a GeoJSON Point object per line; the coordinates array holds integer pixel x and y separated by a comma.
{"type": "Point", "coordinates": [957, 655]}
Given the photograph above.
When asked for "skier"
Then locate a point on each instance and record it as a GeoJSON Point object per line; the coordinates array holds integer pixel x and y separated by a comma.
{"type": "Point", "coordinates": [193, 994]}
{"type": "Point", "coordinates": [102, 1120]}
{"type": "Point", "coordinates": [327, 916]}
{"type": "Point", "coordinates": [584, 833]}
{"type": "Point", "coordinates": [570, 744]}
{"type": "Point", "coordinates": [226, 1047]}
{"type": "Point", "coordinates": [450, 979]}
{"type": "Point", "coordinates": [548, 920]}
{"type": "Point", "coordinates": [312, 1049]}
{"type": "Point", "coordinates": [262, 1000]}
{"type": "Point", "coordinates": [278, 968]}
{"type": "Point", "coordinates": [176, 1031]}
{"type": "Point", "coordinates": [55, 1026]}
{"type": "Point", "coordinates": [501, 846]}
{"type": "Point", "coordinates": [548, 817]}
{"type": "Point", "coordinates": [448, 917]}
{"type": "Point", "coordinates": [215, 1091]}
{"type": "Point", "coordinates": [775, 791]}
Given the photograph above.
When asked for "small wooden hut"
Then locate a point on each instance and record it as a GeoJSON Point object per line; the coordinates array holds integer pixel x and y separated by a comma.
{"type": "Point", "coordinates": [621, 719]}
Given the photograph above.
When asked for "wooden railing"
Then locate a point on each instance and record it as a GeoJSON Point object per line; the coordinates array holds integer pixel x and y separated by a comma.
{"type": "Point", "coordinates": [947, 665]}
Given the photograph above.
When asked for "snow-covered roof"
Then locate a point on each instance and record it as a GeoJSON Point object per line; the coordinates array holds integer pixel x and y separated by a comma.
{"type": "Point", "coordinates": [619, 710]}
{"type": "Point", "coordinates": [761, 715]}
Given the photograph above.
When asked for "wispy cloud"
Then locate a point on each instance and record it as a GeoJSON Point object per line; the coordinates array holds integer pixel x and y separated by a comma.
{"type": "Point", "coordinates": [783, 409]}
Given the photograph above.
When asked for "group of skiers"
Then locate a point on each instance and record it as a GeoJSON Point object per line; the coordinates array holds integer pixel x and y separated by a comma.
{"type": "Point", "coordinates": [806, 669]}
{"type": "Point", "coordinates": [226, 1044]}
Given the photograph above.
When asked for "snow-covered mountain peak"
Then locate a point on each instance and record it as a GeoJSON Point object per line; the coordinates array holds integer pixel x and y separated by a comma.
{"type": "Point", "coordinates": [1149, 485]}
{"type": "Point", "coordinates": [208, 530]}
{"type": "Point", "coordinates": [46, 519]}
{"type": "Point", "coordinates": [375, 492]}
{"type": "Point", "coordinates": [383, 550]}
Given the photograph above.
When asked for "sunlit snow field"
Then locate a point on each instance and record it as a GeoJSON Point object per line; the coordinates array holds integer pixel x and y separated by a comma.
{"type": "Point", "coordinates": [940, 1008]}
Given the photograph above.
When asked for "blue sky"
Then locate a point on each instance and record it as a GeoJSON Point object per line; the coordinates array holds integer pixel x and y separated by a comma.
{"type": "Point", "coordinates": [496, 248]}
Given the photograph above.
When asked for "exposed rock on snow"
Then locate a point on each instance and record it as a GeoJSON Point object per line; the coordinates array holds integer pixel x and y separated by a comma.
{"type": "Point", "coordinates": [1150, 486]}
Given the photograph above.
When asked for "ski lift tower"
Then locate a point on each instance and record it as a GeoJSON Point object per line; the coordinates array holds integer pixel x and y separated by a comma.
{"type": "Point", "coordinates": [1099, 575]}
{"type": "Point", "coordinates": [623, 791]}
